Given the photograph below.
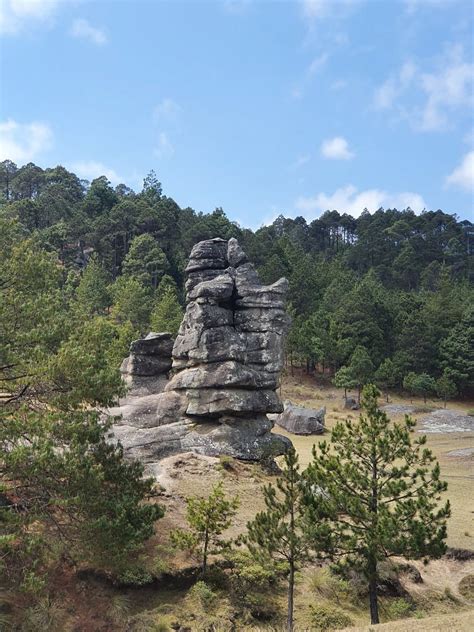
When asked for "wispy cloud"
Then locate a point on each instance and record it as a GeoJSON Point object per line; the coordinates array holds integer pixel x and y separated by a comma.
{"type": "Point", "coordinates": [463, 175]}
{"type": "Point", "coordinates": [300, 161]}
{"type": "Point", "coordinates": [426, 99]}
{"type": "Point", "coordinates": [339, 84]}
{"type": "Point", "coordinates": [411, 6]}
{"type": "Point", "coordinates": [166, 110]}
{"type": "Point", "coordinates": [164, 147]}
{"type": "Point", "coordinates": [336, 148]}
{"type": "Point", "coordinates": [385, 95]}
{"type": "Point", "coordinates": [236, 7]}
{"type": "Point", "coordinates": [314, 11]}
{"type": "Point", "coordinates": [22, 142]}
{"type": "Point", "coordinates": [17, 14]}
{"type": "Point", "coordinates": [349, 200]}
{"type": "Point", "coordinates": [318, 63]}
{"type": "Point", "coordinates": [82, 29]}
{"type": "Point", "coordinates": [91, 169]}
{"type": "Point", "coordinates": [166, 116]}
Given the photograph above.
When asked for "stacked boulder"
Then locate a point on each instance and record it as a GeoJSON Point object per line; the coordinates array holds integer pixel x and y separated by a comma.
{"type": "Point", "coordinates": [146, 369]}
{"type": "Point", "coordinates": [226, 361]}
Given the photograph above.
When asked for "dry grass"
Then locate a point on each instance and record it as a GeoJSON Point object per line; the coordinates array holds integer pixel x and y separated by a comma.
{"type": "Point", "coordinates": [459, 622]}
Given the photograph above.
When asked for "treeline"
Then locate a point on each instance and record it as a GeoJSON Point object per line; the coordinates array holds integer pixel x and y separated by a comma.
{"type": "Point", "coordinates": [393, 286]}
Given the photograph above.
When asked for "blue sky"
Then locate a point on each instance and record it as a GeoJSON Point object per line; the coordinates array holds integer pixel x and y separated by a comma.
{"type": "Point", "coordinates": [259, 107]}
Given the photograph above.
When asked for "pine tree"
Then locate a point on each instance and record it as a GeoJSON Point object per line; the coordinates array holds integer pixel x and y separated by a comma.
{"type": "Point", "coordinates": [132, 302]}
{"type": "Point", "coordinates": [56, 457]}
{"type": "Point", "coordinates": [457, 352]}
{"type": "Point", "coordinates": [167, 313]}
{"type": "Point", "coordinates": [344, 379]}
{"type": "Point", "coordinates": [360, 368]}
{"type": "Point", "coordinates": [420, 384]}
{"type": "Point", "coordinates": [384, 376]}
{"type": "Point", "coordinates": [207, 518]}
{"type": "Point", "coordinates": [145, 261]}
{"type": "Point", "coordinates": [281, 534]}
{"type": "Point", "coordinates": [379, 491]}
{"type": "Point", "coordinates": [445, 387]}
{"type": "Point", "coordinates": [93, 294]}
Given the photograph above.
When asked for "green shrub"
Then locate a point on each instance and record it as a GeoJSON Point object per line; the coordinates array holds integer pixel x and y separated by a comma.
{"type": "Point", "coordinates": [135, 576]}
{"type": "Point", "coordinates": [325, 617]}
{"type": "Point", "coordinates": [466, 587]}
{"type": "Point", "coordinates": [252, 587]}
{"type": "Point", "coordinates": [328, 585]}
{"type": "Point", "coordinates": [204, 595]}
{"type": "Point", "coordinates": [397, 609]}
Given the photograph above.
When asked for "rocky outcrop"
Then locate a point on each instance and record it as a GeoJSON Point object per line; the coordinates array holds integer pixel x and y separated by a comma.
{"type": "Point", "coordinates": [226, 364]}
{"type": "Point", "coordinates": [146, 369]}
{"type": "Point", "coordinates": [300, 420]}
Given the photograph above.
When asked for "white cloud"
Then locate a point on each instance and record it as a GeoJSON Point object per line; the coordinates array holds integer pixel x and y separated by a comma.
{"type": "Point", "coordinates": [90, 169]}
{"type": "Point", "coordinates": [411, 6]}
{"type": "Point", "coordinates": [22, 142]}
{"type": "Point", "coordinates": [166, 114]}
{"type": "Point", "coordinates": [349, 200]}
{"type": "Point", "coordinates": [300, 161]}
{"type": "Point", "coordinates": [318, 63]}
{"type": "Point", "coordinates": [314, 10]}
{"type": "Point", "coordinates": [434, 95]}
{"type": "Point", "coordinates": [340, 84]}
{"type": "Point", "coordinates": [82, 29]}
{"type": "Point", "coordinates": [463, 176]}
{"type": "Point", "coordinates": [385, 95]}
{"type": "Point", "coordinates": [167, 110]}
{"type": "Point", "coordinates": [336, 148]}
{"type": "Point", "coordinates": [16, 14]}
{"type": "Point", "coordinates": [449, 88]}
{"type": "Point", "coordinates": [164, 147]}
{"type": "Point", "coordinates": [236, 7]}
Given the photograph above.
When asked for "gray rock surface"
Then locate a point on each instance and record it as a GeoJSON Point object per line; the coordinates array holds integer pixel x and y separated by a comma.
{"type": "Point", "coordinates": [226, 364]}
{"type": "Point", "coordinates": [146, 368]}
{"type": "Point", "coordinates": [398, 409]}
{"type": "Point", "coordinates": [444, 421]}
{"type": "Point", "coordinates": [300, 420]}
{"type": "Point", "coordinates": [351, 404]}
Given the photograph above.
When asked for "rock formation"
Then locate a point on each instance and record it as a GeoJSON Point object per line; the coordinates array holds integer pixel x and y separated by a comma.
{"type": "Point", "coordinates": [146, 369]}
{"type": "Point", "coordinates": [226, 362]}
{"type": "Point", "coordinates": [300, 420]}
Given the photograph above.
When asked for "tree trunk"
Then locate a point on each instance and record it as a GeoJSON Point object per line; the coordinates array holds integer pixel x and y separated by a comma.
{"type": "Point", "coordinates": [204, 557]}
{"type": "Point", "coordinates": [291, 590]}
{"type": "Point", "coordinates": [373, 601]}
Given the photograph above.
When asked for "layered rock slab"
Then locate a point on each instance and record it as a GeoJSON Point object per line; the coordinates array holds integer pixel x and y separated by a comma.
{"type": "Point", "coordinates": [226, 364]}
